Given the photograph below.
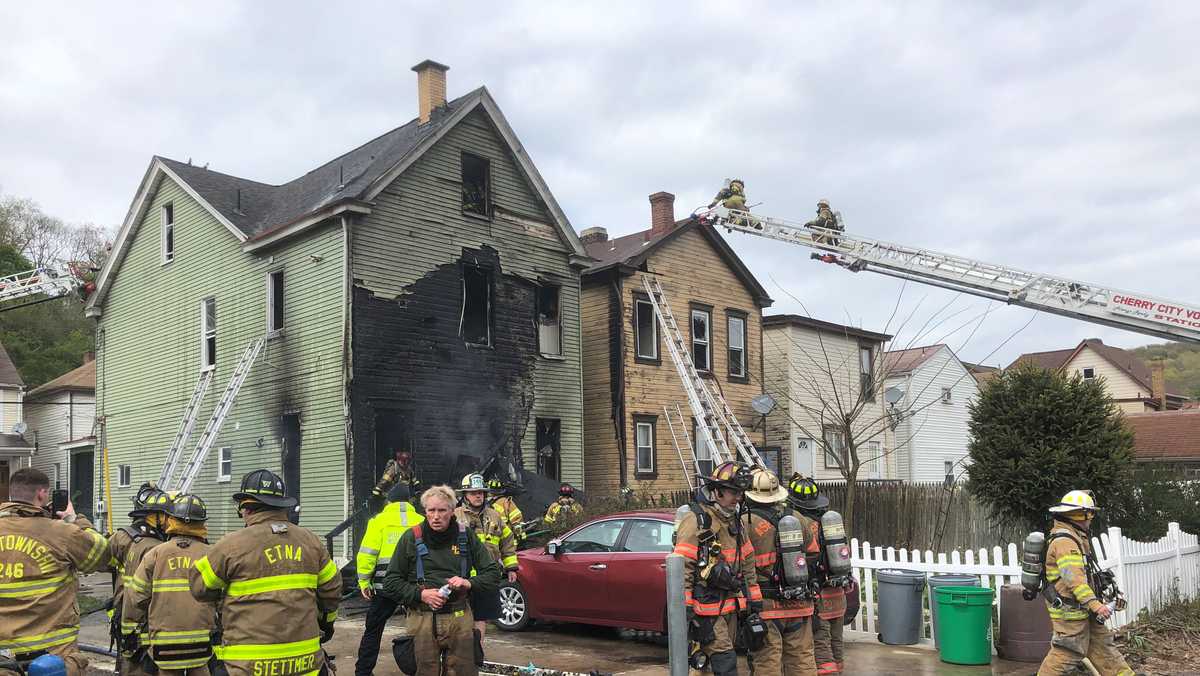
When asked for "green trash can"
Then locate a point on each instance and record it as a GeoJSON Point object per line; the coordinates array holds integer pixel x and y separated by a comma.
{"type": "Point", "coordinates": [964, 623]}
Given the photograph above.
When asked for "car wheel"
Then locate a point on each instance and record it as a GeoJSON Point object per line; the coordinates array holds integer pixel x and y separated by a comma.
{"type": "Point", "coordinates": [514, 608]}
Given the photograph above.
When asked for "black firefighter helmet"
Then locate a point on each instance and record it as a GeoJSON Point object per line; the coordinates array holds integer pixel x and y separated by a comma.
{"type": "Point", "coordinates": [265, 486]}
{"type": "Point", "coordinates": [189, 508]}
{"type": "Point", "coordinates": [149, 499]}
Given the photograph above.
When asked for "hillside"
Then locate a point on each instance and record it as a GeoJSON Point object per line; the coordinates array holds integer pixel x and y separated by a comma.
{"type": "Point", "coordinates": [1182, 365]}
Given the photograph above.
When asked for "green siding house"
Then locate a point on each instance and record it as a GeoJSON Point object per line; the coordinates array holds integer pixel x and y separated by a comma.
{"type": "Point", "coordinates": [421, 292]}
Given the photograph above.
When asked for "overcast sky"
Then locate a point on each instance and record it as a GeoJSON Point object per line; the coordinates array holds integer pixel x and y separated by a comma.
{"type": "Point", "coordinates": [1056, 137]}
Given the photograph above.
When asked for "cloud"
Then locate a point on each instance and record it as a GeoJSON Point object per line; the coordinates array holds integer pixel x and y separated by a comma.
{"type": "Point", "coordinates": [1058, 137]}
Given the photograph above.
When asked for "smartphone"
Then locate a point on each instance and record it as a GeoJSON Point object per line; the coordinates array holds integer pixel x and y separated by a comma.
{"type": "Point", "coordinates": [59, 500]}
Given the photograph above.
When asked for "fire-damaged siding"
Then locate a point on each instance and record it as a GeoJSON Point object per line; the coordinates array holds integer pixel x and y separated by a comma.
{"type": "Point", "coordinates": [149, 360]}
{"type": "Point", "coordinates": [415, 380]}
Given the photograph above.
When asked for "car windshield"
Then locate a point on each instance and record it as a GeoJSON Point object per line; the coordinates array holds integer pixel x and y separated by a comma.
{"type": "Point", "coordinates": [646, 535]}
{"type": "Point", "coordinates": [593, 538]}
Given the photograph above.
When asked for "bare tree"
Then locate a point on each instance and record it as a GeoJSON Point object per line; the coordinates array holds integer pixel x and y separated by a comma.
{"type": "Point", "coordinates": [47, 240]}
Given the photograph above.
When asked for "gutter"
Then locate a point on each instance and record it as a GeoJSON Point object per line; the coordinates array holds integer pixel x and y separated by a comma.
{"type": "Point", "coordinates": [281, 232]}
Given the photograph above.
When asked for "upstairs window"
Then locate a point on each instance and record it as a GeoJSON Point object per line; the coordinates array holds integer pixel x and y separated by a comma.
{"type": "Point", "coordinates": [866, 372]}
{"type": "Point", "coordinates": [646, 329]}
{"type": "Point", "coordinates": [275, 301]}
{"type": "Point", "coordinates": [737, 346]}
{"type": "Point", "coordinates": [476, 324]}
{"type": "Point", "coordinates": [476, 185]}
{"type": "Point", "coordinates": [947, 395]}
{"type": "Point", "coordinates": [167, 219]}
{"type": "Point", "coordinates": [1089, 373]}
{"type": "Point", "coordinates": [701, 339]}
{"type": "Point", "coordinates": [208, 334]}
{"type": "Point", "coordinates": [549, 318]}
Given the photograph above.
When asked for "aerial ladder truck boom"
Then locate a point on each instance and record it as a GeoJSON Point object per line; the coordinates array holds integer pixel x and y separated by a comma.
{"type": "Point", "coordinates": [42, 281]}
{"type": "Point", "coordinates": [1129, 310]}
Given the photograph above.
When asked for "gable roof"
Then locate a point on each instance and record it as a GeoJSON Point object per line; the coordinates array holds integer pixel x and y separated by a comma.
{"type": "Point", "coordinates": [773, 321]}
{"type": "Point", "coordinates": [82, 378]}
{"type": "Point", "coordinates": [633, 250]}
{"type": "Point", "coordinates": [981, 372]}
{"type": "Point", "coordinates": [1122, 360]}
{"type": "Point", "coordinates": [260, 214]}
{"type": "Point", "coordinates": [9, 375]}
{"type": "Point", "coordinates": [1167, 435]}
{"type": "Point", "coordinates": [903, 361]}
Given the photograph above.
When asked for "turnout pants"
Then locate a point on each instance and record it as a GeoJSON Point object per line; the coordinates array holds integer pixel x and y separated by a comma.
{"type": "Point", "coordinates": [455, 638]}
{"type": "Point", "coordinates": [381, 610]}
{"type": "Point", "coordinates": [722, 659]}
{"type": "Point", "coordinates": [827, 646]}
{"type": "Point", "coordinates": [194, 671]}
{"type": "Point", "coordinates": [1076, 639]}
{"type": "Point", "coordinates": [788, 650]}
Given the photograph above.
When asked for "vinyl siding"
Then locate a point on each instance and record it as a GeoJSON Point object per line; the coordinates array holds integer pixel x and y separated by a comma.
{"type": "Point", "coordinates": [1118, 383]}
{"type": "Point", "coordinates": [934, 432]}
{"type": "Point", "coordinates": [10, 408]}
{"type": "Point", "coordinates": [149, 359]}
{"type": "Point", "coordinates": [417, 225]}
{"type": "Point", "coordinates": [59, 417]}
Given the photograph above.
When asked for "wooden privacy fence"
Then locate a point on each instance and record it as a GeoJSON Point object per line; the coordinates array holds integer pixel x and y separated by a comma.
{"type": "Point", "coordinates": [1149, 573]}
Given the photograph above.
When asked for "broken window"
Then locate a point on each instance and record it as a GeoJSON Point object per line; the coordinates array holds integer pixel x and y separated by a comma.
{"type": "Point", "coordinates": [476, 324]}
{"type": "Point", "coordinates": [393, 432]}
{"type": "Point", "coordinates": [275, 301]}
{"type": "Point", "coordinates": [549, 320]}
{"type": "Point", "coordinates": [701, 357]}
{"type": "Point", "coordinates": [647, 330]}
{"type": "Point", "coordinates": [645, 448]}
{"type": "Point", "coordinates": [476, 185]}
{"type": "Point", "coordinates": [208, 333]}
{"type": "Point", "coordinates": [737, 346]}
{"type": "Point", "coordinates": [167, 217]}
{"type": "Point", "coordinates": [549, 449]}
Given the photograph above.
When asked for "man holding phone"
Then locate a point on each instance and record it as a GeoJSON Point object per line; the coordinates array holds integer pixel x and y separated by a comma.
{"type": "Point", "coordinates": [42, 554]}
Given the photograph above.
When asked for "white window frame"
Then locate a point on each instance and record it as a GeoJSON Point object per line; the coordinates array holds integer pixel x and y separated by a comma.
{"type": "Point", "coordinates": [204, 334]}
{"type": "Point", "coordinates": [124, 475]}
{"type": "Point", "coordinates": [1088, 373]}
{"type": "Point", "coordinates": [224, 455]}
{"type": "Point", "coordinates": [637, 342]}
{"type": "Point", "coordinates": [707, 342]}
{"type": "Point", "coordinates": [166, 232]}
{"type": "Point", "coordinates": [875, 461]}
{"type": "Point", "coordinates": [639, 447]}
{"type": "Point", "coordinates": [947, 395]}
{"type": "Point", "coordinates": [57, 475]}
{"type": "Point", "coordinates": [866, 371]}
{"type": "Point", "coordinates": [550, 331]}
{"type": "Point", "coordinates": [840, 446]}
{"type": "Point", "coordinates": [272, 275]}
{"type": "Point", "coordinates": [742, 336]}
{"type": "Point", "coordinates": [703, 452]}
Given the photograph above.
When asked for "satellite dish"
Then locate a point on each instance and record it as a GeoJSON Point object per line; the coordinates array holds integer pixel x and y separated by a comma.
{"type": "Point", "coordinates": [19, 428]}
{"type": "Point", "coordinates": [763, 404]}
{"type": "Point", "coordinates": [893, 395]}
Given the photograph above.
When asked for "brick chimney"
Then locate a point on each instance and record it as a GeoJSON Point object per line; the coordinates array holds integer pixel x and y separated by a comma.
{"type": "Point", "coordinates": [662, 213]}
{"type": "Point", "coordinates": [431, 87]}
{"type": "Point", "coordinates": [1158, 384]}
{"type": "Point", "coordinates": [594, 234]}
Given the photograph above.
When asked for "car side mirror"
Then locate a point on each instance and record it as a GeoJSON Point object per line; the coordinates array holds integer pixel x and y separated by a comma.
{"type": "Point", "coordinates": [552, 548]}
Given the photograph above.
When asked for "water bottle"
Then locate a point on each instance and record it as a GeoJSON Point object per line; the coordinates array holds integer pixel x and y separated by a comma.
{"type": "Point", "coordinates": [445, 591]}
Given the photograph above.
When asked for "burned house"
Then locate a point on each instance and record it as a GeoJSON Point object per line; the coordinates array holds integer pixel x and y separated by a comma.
{"type": "Point", "coordinates": [419, 292]}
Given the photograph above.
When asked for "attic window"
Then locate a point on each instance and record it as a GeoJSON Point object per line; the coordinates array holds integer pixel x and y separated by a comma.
{"type": "Point", "coordinates": [1089, 373]}
{"type": "Point", "coordinates": [476, 323]}
{"type": "Point", "coordinates": [549, 318]}
{"type": "Point", "coordinates": [476, 185]}
{"type": "Point", "coordinates": [167, 217]}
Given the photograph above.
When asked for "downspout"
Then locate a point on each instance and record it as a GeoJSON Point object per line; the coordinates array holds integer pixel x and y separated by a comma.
{"type": "Point", "coordinates": [347, 378]}
{"type": "Point", "coordinates": [579, 374]}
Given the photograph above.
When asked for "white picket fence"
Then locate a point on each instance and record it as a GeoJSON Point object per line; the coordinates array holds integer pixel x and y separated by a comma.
{"type": "Point", "coordinates": [1147, 572]}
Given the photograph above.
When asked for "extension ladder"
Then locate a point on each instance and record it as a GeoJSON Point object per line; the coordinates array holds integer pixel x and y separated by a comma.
{"type": "Point", "coordinates": [678, 413]}
{"type": "Point", "coordinates": [185, 429]}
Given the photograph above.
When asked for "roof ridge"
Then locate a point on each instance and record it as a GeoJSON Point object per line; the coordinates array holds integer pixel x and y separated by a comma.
{"type": "Point", "coordinates": [214, 171]}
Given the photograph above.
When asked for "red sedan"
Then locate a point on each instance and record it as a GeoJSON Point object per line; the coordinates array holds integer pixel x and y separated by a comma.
{"type": "Point", "coordinates": [608, 571]}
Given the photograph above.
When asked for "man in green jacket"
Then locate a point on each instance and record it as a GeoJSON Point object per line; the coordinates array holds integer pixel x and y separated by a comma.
{"type": "Point", "coordinates": [434, 570]}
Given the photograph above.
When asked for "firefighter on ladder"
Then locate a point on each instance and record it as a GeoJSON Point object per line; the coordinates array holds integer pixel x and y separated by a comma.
{"type": "Point", "coordinates": [158, 595]}
{"type": "Point", "coordinates": [719, 577]}
{"type": "Point", "coordinates": [277, 587]}
{"type": "Point", "coordinates": [1072, 580]}
{"type": "Point", "coordinates": [374, 555]}
{"type": "Point", "coordinates": [128, 546]}
{"type": "Point", "coordinates": [806, 498]}
{"type": "Point", "coordinates": [787, 599]}
{"type": "Point", "coordinates": [497, 538]}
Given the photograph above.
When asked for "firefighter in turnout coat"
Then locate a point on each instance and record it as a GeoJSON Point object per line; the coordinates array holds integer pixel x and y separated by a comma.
{"type": "Point", "coordinates": [789, 646]}
{"type": "Point", "coordinates": [374, 555]}
{"type": "Point", "coordinates": [719, 577]}
{"type": "Point", "coordinates": [158, 596]}
{"type": "Point", "coordinates": [277, 587]}
{"type": "Point", "coordinates": [41, 559]}
{"type": "Point", "coordinates": [128, 546]}
{"type": "Point", "coordinates": [1076, 614]}
{"type": "Point", "coordinates": [504, 503]}
{"type": "Point", "coordinates": [495, 535]}
{"type": "Point", "coordinates": [563, 510]}
{"type": "Point", "coordinates": [805, 497]}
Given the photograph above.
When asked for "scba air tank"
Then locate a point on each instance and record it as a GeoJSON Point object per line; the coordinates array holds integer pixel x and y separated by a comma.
{"type": "Point", "coordinates": [679, 514]}
{"type": "Point", "coordinates": [1033, 559]}
{"type": "Point", "coordinates": [791, 552]}
{"type": "Point", "coordinates": [837, 549]}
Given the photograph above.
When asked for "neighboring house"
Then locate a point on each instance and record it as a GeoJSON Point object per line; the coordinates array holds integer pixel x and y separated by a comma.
{"type": "Point", "coordinates": [418, 292]}
{"type": "Point", "coordinates": [61, 416]}
{"type": "Point", "coordinates": [934, 389]}
{"type": "Point", "coordinates": [982, 373]}
{"type": "Point", "coordinates": [1128, 380]}
{"type": "Point", "coordinates": [817, 371]}
{"type": "Point", "coordinates": [15, 448]}
{"type": "Point", "coordinates": [1170, 438]}
{"type": "Point", "coordinates": [629, 378]}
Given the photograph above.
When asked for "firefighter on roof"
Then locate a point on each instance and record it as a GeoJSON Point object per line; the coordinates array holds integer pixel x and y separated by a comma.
{"type": "Point", "coordinates": [158, 594]}
{"type": "Point", "coordinates": [495, 535]}
{"type": "Point", "coordinates": [277, 587]}
{"type": "Point", "coordinates": [565, 508]}
{"type": "Point", "coordinates": [129, 545]}
{"type": "Point", "coordinates": [1072, 581]}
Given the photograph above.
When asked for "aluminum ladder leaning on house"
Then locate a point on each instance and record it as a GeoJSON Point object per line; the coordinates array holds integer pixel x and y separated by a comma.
{"type": "Point", "coordinates": [707, 406]}
{"type": "Point", "coordinates": [220, 412]}
{"type": "Point", "coordinates": [185, 429]}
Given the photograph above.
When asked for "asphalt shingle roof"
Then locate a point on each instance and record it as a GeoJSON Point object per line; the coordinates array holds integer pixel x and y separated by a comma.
{"type": "Point", "coordinates": [903, 361]}
{"type": "Point", "coordinates": [82, 378]}
{"type": "Point", "coordinates": [1166, 435]}
{"type": "Point", "coordinates": [14, 441]}
{"type": "Point", "coordinates": [1123, 360]}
